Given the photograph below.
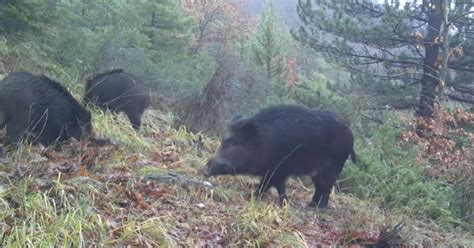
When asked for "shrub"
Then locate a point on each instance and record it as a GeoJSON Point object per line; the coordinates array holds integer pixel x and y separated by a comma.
{"type": "Point", "coordinates": [390, 174]}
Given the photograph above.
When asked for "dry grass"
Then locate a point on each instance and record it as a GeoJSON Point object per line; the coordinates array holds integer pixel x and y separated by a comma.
{"type": "Point", "coordinates": [147, 190]}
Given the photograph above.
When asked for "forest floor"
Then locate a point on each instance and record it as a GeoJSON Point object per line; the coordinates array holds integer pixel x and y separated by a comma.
{"type": "Point", "coordinates": [146, 190]}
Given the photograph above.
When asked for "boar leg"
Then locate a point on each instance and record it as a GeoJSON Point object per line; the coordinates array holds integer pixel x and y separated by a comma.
{"type": "Point", "coordinates": [14, 134]}
{"type": "Point", "coordinates": [16, 129]}
{"type": "Point", "coordinates": [277, 181]}
{"type": "Point", "coordinates": [280, 186]}
{"type": "Point", "coordinates": [262, 187]}
{"type": "Point", "coordinates": [323, 182]}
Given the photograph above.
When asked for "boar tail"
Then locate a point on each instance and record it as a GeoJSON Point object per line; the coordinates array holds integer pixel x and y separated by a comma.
{"type": "Point", "coordinates": [353, 156]}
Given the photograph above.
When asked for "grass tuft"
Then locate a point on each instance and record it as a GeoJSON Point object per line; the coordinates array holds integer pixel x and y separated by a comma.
{"type": "Point", "coordinates": [147, 190]}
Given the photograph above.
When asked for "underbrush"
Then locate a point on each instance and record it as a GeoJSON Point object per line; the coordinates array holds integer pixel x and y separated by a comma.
{"type": "Point", "coordinates": [146, 189]}
{"type": "Point", "coordinates": [391, 174]}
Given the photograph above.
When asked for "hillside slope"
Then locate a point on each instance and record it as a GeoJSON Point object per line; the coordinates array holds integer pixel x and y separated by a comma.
{"type": "Point", "coordinates": [146, 189]}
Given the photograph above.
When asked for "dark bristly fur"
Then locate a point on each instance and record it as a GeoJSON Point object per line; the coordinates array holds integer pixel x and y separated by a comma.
{"type": "Point", "coordinates": [286, 140]}
{"type": "Point", "coordinates": [97, 76]}
{"type": "Point", "coordinates": [40, 109]}
{"type": "Point", "coordinates": [118, 91]}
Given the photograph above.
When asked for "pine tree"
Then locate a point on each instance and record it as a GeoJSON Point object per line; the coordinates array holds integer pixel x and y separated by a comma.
{"type": "Point", "coordinates": [408, 44]}
{"type": "Point", "coordinates": [168, 24]}
{"type": "Point", "coordinates": [17, 16]}
{"type": "Point", "coordinates": [268, 46]}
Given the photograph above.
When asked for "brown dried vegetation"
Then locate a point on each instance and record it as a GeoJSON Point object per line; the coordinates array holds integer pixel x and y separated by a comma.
{"type": "Point", "coordinates": [446, 142]}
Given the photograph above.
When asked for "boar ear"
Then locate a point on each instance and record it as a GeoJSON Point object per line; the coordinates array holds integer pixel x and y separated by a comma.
{"type": "Point", "coordinates": [245, 127]}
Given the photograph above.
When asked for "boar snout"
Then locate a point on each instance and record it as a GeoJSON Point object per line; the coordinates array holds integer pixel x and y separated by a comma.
{"type": "Point", "coordinates": [206, 171]}
{"type": "Point", "coordinates": [216, 166]}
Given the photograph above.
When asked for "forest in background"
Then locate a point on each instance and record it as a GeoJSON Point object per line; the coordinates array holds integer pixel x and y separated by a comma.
{"type": "Point", "coordinates": [401, 73]}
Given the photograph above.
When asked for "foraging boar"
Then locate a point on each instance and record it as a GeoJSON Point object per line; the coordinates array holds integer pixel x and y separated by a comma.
{"type": "Point", "coordinates": [285, 140]}
{"type": "Point", "coordinates": [118, 91]}
{"type": "Point", "coordinates": [37, 108]}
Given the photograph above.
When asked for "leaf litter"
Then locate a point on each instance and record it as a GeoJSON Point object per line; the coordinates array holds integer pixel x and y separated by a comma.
{"type": "Point", "coordinates": [157, 197]}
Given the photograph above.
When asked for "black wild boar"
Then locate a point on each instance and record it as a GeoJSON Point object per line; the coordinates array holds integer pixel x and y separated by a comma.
{"type": "Point", "coordinates": [286, 140]}
{"type": "Point", "coordinates": [39, 109]}
{"type": "Point", "coordinates": [118, 91]}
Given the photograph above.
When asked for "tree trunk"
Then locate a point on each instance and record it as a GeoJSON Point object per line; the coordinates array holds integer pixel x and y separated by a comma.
{"type": "Point", "coordinates": [430, 79]}
{"type": "Point", "coordinates": [269, 67]}
{"type": "Point", "coordinates": [84, 7]}
{"type": "Point", "coordinates": [444, 57]}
